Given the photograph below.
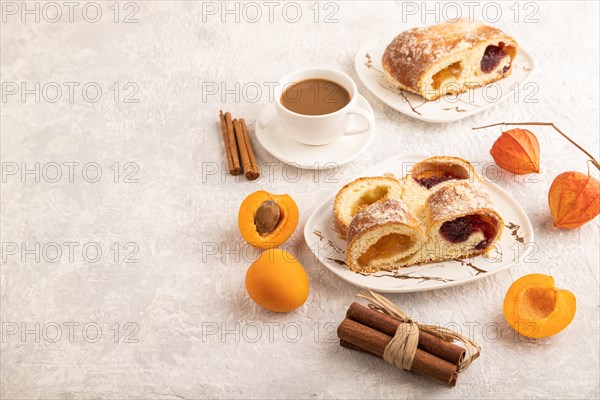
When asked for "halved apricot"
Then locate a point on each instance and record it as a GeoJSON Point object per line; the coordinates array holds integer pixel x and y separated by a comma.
{"type": "Point", "coordinates": [535, 308]}
{"type": "Point", "coordinates": [267, 220]}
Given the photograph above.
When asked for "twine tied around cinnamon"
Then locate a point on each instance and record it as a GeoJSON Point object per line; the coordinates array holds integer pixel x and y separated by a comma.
{"type": "Point", "coordinates": [402, 348]}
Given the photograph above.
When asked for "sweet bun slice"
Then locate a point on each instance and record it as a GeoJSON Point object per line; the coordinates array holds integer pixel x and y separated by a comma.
{"type": "Point", "coordinates": [435, 170]}
{"type": "Point", "coordinates": [431, 174]}
{"type": "Point", "coordinates": [461, 222]}
{"type": "Point", "coordinates": [359, 194]}
{"type": "Point", "coordinates": [383, 236]}
{"type": "Point", "coordinates": [448, 58]}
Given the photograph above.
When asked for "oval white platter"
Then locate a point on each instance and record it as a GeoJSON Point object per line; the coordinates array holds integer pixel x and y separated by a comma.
{"type": "Point", "coordinates": [447, 108]}
{"type": "Point", "coordinates": [515, 244]}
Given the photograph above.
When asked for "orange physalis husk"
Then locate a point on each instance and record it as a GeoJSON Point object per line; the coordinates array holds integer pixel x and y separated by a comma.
{"type": "Point", "coordinates": [517, 151]}
{"type": "Point", "coordinates": [574, 199]}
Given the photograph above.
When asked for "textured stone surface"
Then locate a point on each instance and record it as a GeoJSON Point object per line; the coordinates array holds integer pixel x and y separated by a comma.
{"type": "Point", "coordinates": [197, 328]}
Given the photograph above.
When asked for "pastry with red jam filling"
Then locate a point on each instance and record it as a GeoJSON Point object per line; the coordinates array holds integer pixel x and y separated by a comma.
{"type": "Point", "coordinates": [440, 211]}
{"type": "Point", "coordinates": [448, 58]}
{"type": "Point", "coordinates": [431, 174]}
{"type": "Point", "coordinates": [462, 222]}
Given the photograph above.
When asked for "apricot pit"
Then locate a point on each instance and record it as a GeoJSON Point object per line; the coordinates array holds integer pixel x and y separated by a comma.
{"type": "Point", "coordinates": [267, 220]}
{"type": "Point", "coordinates": [267, 217]}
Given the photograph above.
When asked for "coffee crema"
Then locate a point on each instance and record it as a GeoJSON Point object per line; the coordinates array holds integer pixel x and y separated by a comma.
{"type": "Point", "coordinates": [315, 97]}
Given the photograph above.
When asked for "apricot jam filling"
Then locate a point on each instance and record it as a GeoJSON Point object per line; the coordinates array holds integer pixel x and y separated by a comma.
{"type": "Point", "coordinates": [386, 247]}
{"type": "Point", "coordinates": [369, 197]}
{"type": "Point", "coordinates": [451, 73]}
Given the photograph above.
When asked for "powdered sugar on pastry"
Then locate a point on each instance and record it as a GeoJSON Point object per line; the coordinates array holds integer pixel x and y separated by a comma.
{"type": "Point", "coordinates": [446, 58]}
{"type": "Point", "coordinates": [390, 210]}
{"type": "Point", "coordinates": [447, 214]}
{"type": "Point", "coordinates": [458, 199]}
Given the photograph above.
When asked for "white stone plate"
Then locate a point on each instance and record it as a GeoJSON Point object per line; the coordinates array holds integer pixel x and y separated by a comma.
{"type": "Point", "coordinates": [447, 108]}
{"type": "Point", "coordinates": [516, 244]}
{"type": "Point", "coordinates": [272, 137]}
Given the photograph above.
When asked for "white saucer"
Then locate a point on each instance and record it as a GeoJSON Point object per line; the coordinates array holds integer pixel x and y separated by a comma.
{"type": "Point", "coordinates": [271, 136]}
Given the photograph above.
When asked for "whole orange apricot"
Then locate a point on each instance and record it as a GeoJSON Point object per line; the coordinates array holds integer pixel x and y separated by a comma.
{"type": "Point", "coordinates": [535, 308]}
{"type": "Point", "coordinates": [277, 281]}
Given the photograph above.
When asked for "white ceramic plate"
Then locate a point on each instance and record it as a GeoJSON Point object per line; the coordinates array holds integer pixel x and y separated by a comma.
{"type": "Point", "coordinates": [515, 244]}
{"type": "Point", "coordinates": [447, 108]}
{"type": "Point", "coordinates": [271, 136]}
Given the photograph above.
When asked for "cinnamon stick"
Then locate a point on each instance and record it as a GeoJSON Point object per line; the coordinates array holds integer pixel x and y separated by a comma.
{"type": "Point", "coordinates": [349, 345]}
{"type": "Point", "coordinates": [388, 325]}
{"type": "Point", "coordinates": [375, 342]}
{"type": "Point", "coordinates": [236, 170]}
{"type": "Point", "coordinates": [245, 149]}
{"type": "Point", "coordinates": [226, 141]}
{"type": "Point", "coordinates": [239, 136]}
{"type": "Point", "coordinates": [254, 170]}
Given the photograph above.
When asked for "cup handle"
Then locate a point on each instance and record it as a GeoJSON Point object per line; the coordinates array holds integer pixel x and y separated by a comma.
{"type": "Point", "coordinates": [364, 114]}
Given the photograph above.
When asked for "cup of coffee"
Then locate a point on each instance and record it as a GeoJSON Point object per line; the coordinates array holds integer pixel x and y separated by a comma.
{"type": "Point", "coordinates": [314, 106]}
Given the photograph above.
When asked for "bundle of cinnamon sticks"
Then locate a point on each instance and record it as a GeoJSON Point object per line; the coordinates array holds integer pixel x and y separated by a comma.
{"type": "Point", "coordinates": [240, 155]}
{"type": "Point", "coordinates": [371, 331]}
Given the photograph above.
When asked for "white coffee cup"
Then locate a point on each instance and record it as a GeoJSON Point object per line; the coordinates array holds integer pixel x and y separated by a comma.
{"type": "Point", "coordinates": [326, 128]}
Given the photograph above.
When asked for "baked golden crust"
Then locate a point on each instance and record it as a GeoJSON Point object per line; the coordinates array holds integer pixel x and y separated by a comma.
{"type": "Point", "coordinates": [453, 219]}
{"type": "Point", "coordinates": [447, 165]}
{"type": "Point", "coordinates": [383, 219]}
{"type": "Point", "coordinates": [429, 175]}
{"type": "Point", "coordinates": [352, 192]}
{"type": "Point", "coordinates": [459, 199]}
{"type": "Point", "coordinates": [413, 57]}
{"type": "Point", "coordinates": [383, 212]}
